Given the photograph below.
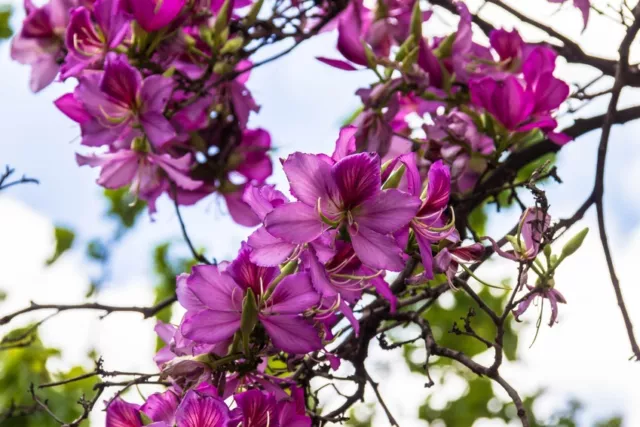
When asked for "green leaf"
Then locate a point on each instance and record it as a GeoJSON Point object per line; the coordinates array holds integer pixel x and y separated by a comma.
{"type": "Point", "coordinates": [5, 16]}
{"type": "Point", "coordinates": [64, 241]}
{"type": "Point", "coordinates": [123, 206]}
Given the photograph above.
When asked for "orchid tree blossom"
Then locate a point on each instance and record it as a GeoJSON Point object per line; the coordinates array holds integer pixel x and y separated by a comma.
{"type": "Point", "coordinates": [345, 195]}
{"type": "Point", "coordinates": [120, 104]}
{"type": "Point", "coordinates": [214, 301]}
{"type": "Point", "coordinates": [92, 34]}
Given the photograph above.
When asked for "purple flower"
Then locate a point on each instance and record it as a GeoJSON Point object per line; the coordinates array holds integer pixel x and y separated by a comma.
{"type": "Point", "coordinates": [533, 225]}
{"type": "Point", "coordinates": [40, 42]}
{"type": "Point", "coordinates": [214, 299]}
{"type": "Point", "coordinates": [430, 223]}
{"type": "Point", "coordinates": [119, 101]}
{"type": "Point", "coordinates": [201, 410]}
{"type": "Point", "coordinates": [260, 409]}
{"type": "Point", "coordinates": [178, 345]}
{"type": "Point", "coordinates": [347, 196]}
{"type": "Point", "coordinates": [509, 47]}
{"type": "Point", "coordinates": [506, 100]}
{"type": "Point", "coordinates": [123, 414]}
{"type": "Point", "coordinates": [153, 15]}
{"type": "Point", "coordinates": [147, 174]}
{"type": "Point", "coordinates": [544, 292]}
{"type": "Point", "coordinates": [159, 408]}
{"type": "Point", "coordinates": [89, 43]}
{"type": "Point", "coordinates": [459, 139]}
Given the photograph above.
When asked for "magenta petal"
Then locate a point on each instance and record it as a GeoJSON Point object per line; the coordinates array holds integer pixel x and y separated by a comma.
{"type": "Point", "coordinates": [262, 199]}
{"type": "Point", "coordinates": [161, 406]}
{"type": "Point", "coordinates": [215, 290]}
{"type": "Point", "coordinates": [292, 334]}
{"type": "Point", "coordinates": [72, 108]}
{"type": "Point", "coordinates": [293, 295]}
{"type": "Point", "coordinates": [439, 186]}
{"type": "Point", "coordinates": [376, 250]}
{"type": "Point", "coordinates": [383, 289]}
{"type": "Point", "coordinates": [426, 255]}
{"type": "Point", "coordinates": [550, 92]}
{"type": "Point", "coordinates": [294, 222]}
{"type": "Point", "coordinates": [559, 138]}
{"type": "Point", "coordinates": [348, 313]}
{"type": "Point", "coordinates": [239, 210]}
{"type": "Point", "coordinates": [257, 408]}
{"type": "Point", "coordinates": [346, 143]}
{"type": "Point", "coordinates": [318, 274]}
{"type": "Point", "coordinates": [156, 92]}
{"type": "Point", "coordinates": [123, 414]}
{"type": "Point", "coordinates": [350, 37]}
{"type": "Point", "coordinates": [202, 411]}
{"type": "Point", "coordinates": [388, 212]}
{"type": "Point", "coordinates": [210, 326]}
{"type": "Point", "coordinates": [337, 63]}
{"type": "Point", "coordinates": [153, 15]}
{"type": "Point", "coordinates": [157, 128]}
{"type": "Point", "coordinates": [268, 251]}
{"type": "Point", "coordinates": [357, 178]}
{"type": "Point", "coordinates": [309, 177]}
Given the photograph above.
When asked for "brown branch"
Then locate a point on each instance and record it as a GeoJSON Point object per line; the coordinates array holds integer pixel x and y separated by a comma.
{"type": "Point", "coordinates": [598, 190]}
{"type": "Point", "coordinates": [108, 309]}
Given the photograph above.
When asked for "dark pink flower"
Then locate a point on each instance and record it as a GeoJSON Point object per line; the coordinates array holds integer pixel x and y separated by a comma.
{"type": "Point", "coordinates": [345, 195]}
{"type": "Point", "coordinates": [544, 293]}
{"type": "Point", "coordinates": [147, 174]}
{"type": "Point", "coordinates": [213, 299]}
{"type": "Point", "coordinates": [119, 100]}
{"type": "Point", "coordinates": [40, 43]}
{"type": "Point", "coordinates": [88, 42]}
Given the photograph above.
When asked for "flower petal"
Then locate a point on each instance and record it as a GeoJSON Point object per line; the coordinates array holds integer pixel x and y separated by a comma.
{"type": "Point", "coordinates": [294, 222]}
{"type": "Point", "coordinates": [292, 334]}
{"type": "Point", "coordinates": [210, 326]}
{"type": "Point", "coordinates": [357, 178]}
{"type": "Point", "coordinates": [293, 295]}
{"type": "Point", "coordinates": [376, 250]}
{"type": "Point", "coordinates": [388, 212]}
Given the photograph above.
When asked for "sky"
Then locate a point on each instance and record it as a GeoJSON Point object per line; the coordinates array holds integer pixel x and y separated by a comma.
{"type": "Point", "coordinates": [303, 103]}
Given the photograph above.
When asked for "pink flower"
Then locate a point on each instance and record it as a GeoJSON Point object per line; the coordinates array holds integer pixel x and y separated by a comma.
{"type": "Point", "coordinates": [347, 196]}
{"type": "Point", "coordinates": [214, 302]}
{"type": "Point", "coordinates": [147, 174]}
{"type": "Point", "coordinates": [118, 101]}
{"type": "Point", "coordinates": [87, 42]}
{"type": "Point", "coordinates": [40, 42]}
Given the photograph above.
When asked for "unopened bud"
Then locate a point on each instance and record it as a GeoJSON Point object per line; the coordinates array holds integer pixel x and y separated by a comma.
{"type": "Point", "coordinates": [394, 180]}
{"type": "Point", "coordinates": [574, 244]}
{"type": "Point", "coordinates": [232, 46]}
{"type": "Point", "coordinates": [249, 319]}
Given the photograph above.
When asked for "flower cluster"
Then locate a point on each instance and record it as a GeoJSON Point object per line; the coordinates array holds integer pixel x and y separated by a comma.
{"type": "Point", "coordinates": [161, 93]}
{"type": "Point", "coordinates": [203, 407]}
{"type": "Point", "coordinates": [474, 101]}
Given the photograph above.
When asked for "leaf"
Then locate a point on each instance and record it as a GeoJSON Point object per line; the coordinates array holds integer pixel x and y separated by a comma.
{"type": "Point", "coordinates": [5, 16]}
{"type": "Point", "coordinates": [123, 206]}
{"type": "Point", "coordinates": [64, 241]}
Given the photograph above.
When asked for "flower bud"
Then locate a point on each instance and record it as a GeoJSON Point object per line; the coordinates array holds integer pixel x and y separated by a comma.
{"type": "Point", "coordinates": [394, 180]}
{"type": "Point", "coordinates": [249, 318]}
{"type": "Point", "coordinates": [232, 46]}
{"type": "Point", "coordinates": [574, 244]}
